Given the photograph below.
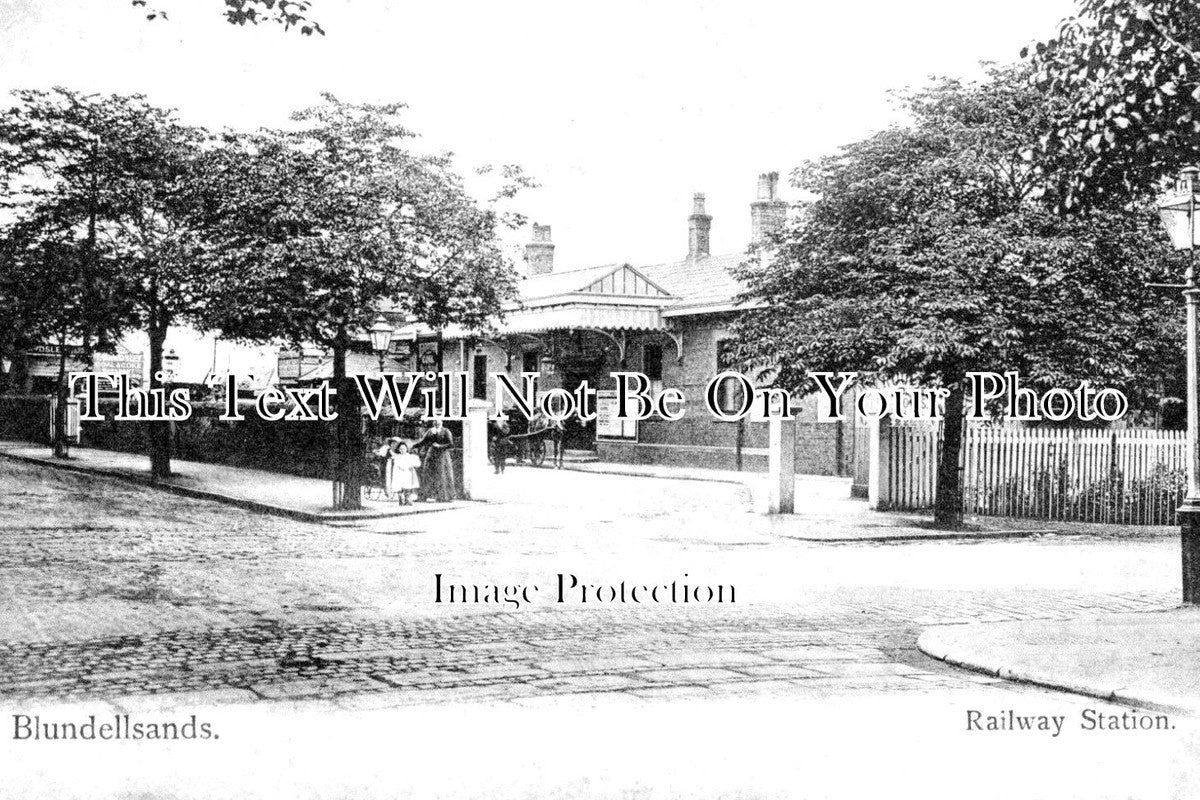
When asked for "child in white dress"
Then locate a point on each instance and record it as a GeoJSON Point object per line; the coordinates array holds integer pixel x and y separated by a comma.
{"type": "Point", "coordinates": [405, 474]}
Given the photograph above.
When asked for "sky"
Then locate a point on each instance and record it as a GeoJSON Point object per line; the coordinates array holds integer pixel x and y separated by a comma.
{"type": "Point", "coordinates": [621, 110]}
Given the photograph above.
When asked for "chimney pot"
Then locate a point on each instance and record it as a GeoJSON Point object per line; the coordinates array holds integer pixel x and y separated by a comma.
{"type": "Point", "coordinates": [768, 183]}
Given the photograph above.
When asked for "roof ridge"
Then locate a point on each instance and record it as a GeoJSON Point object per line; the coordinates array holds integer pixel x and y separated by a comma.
{"type": "Point", "coordinates": [612, 265]}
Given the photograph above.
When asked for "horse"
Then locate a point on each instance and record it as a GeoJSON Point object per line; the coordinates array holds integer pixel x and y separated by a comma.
{"type": "Point", "coordinates": [554, 430]}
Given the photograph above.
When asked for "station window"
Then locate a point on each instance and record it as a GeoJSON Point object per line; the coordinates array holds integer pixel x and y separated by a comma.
{"type": "Point", "coordinates": [529, 361]}
{"type": "Point", "coordinates": [479, 378]}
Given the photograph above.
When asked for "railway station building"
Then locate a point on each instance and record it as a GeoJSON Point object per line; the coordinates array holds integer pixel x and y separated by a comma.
{"type": "Point", "coordinates": [670, 321]}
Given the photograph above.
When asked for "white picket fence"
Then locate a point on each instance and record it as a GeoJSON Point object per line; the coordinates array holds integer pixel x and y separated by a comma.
{"type": "Point", "coordinates": [1131, 476]}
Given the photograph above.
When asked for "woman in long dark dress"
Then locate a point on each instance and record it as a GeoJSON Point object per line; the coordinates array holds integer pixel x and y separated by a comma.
{"type": "Point", "coordinates": [437, 469]}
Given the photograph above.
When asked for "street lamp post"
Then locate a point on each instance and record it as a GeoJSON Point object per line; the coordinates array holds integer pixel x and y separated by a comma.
{"type": "Point", "coordinates": [1178, 212]}
{"type": "Point", "coordinates": [381, 337]}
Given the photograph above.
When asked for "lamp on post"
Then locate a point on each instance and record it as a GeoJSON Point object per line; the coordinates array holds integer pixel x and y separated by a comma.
{"type": "Point", "coordinates": [381, 337]}
{"type": "Point", "coordinates": [5, 370]}
{"type": "Point", "coordinates": [1178, 212]}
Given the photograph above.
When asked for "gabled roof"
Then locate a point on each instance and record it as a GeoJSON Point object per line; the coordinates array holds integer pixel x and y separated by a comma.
{"type": "Point", "coordinates": [618, 280]}
{"type": "Point", "coordinates": [618, 296]}
{"type": "Point", "coordinates": [699, 282]}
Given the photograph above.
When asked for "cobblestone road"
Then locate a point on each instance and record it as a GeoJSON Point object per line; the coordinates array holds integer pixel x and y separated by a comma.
{"type": "Point", "coordinates": [111, 591]}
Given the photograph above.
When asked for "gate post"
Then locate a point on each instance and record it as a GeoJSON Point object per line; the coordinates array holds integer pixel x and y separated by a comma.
{"type": "Point", "coordinates": [474, 450]}
{"type": "Point", "coordinates": [880, 467]}
{"type": "Point", "coordinates": [781, 465]}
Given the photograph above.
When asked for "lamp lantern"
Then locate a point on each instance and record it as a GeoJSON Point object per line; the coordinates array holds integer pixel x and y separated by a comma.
{"type": "Point", "coordinates": [381, 337]}
{"type": "Point", "coordinates": [1177, 209]}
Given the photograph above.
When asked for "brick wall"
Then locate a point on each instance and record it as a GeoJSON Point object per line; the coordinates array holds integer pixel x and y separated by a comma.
{"type": "Point", "coordinates": [289, 447]}
{"type": "Point", "coordinates": [699, 439]}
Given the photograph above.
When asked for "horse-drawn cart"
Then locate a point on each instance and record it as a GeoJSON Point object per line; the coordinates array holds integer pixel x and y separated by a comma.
{"type": "Point", "coordinates": [531, 446]}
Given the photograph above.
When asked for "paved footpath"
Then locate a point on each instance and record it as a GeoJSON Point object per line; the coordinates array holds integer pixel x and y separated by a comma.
{"type": "Point", "coordinates": [112, 590]}
{"type": "Point", "coordinates": [1144, 660]}
{"type": "Point", "coordinates": [828, 514]}
{"type": "Point", "coordinates": [289, 496]}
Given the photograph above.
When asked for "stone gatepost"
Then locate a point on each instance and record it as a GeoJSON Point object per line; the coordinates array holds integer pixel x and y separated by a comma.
{"type": "Point", "coordinates": [781, 466]}
{"type": "Point", "coordinates": [476, 471]}
{"type": "Point", "coordinates": [880, 468]}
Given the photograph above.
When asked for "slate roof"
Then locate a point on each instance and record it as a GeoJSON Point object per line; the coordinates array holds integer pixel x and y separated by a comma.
{"type": "Point", "coordinates": [621, 295]}
{"type": "Point", "coordinates": [553, 283]}
{"type": "Point", "coordinates": [613, 280]}
{"type": "Point", "coordinates": [698, 282]}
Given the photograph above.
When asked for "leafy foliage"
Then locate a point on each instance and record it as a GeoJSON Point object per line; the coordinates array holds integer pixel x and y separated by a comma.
{"type": "Point", "coordinates": [111, 173]}
{"type": "Point", "coordinates": [317, 230]}
{"type": "Point", "coordinates": [50, 292]}
{"type": "Point", "coordinates": [101, 189]}
{"type": "Point", "coordinates": [926, 253]}
{"type": "Point", "coordinates": [314, 231]}
{"type": "Point", "coordinates": [288, 13]}
{"type": "Point", "coordinates": [929, 252]}
{"type": "Point", "coordinates": [1131, 69]}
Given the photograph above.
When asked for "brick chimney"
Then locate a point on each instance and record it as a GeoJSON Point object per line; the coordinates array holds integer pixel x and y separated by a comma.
{"type": "Point", "coordinates": [699, 225]}
{"type": "Point", "coordinates": [767, 212]}
{"type": "Point", "coordinates": [539, 253]}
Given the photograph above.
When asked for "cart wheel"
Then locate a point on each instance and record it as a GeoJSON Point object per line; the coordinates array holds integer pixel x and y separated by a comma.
{"type": "Point", "coordinates": [537, 453]}
{"type": "Point", "coordinates": [373, 486]}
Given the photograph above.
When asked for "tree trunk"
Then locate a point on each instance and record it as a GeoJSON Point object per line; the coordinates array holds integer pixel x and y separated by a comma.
{"type": "Point", "coordinates": [947, 507]}
{"type": "Point", "coordinates": [61, 449]}
{"type": "Point", "coordinates": [89, 279]}
{"type": "Point", "coordinates": [347, 435]}
{"type": "Point", "coordinates": [160, 432]}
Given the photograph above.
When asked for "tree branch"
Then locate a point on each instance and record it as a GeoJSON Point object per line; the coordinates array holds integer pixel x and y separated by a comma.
{"type": "Point", "coordinates": [1162, 31]}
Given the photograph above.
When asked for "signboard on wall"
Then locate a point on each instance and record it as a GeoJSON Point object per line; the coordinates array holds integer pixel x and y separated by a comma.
{"type": "Point", "coordinates": [427, 355]}
{"type": "Point", "coordinates": [608, 426]}
{"type": "Point", "coordinates": [42, 360]}
{"type": "Point", "coordinates": [129, 364]}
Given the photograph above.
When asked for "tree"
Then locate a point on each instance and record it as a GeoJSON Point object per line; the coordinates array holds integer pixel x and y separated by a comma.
{"type": "Point", "coordinates": [112, 174]}
{"type": "Point", "coordinates": [321, 228]}
{"type": "Point", "coordinates": [160, 247]}
{"type": "Point", "coordinates": [928, 254]}
{"type": "Point", "coordinates": [53, 289]}
{"type": "Point", "coordinates": [288, 13]}
{"type": "Point", "coordinates": [1131, 71]}
{"type": "Point", "coordinates": [55, 155]}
